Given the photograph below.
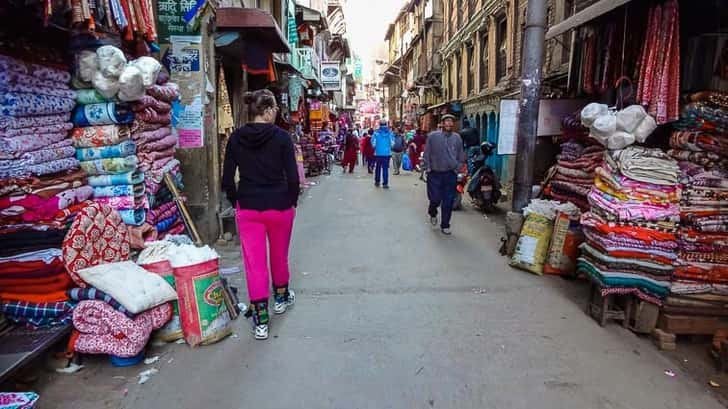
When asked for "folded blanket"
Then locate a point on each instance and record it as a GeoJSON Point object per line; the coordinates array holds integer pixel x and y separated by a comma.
{"type": "Point", "coordinates": [8, 77]}
{"type": "Point", "coordinates": [128, 178]}
{"type": "Point", "coordinates": [27, 88]}
{"type": "Point", "coordinates": [36, 130]}
{"type": "Point", "coordinates": [149, 101]}
{"type": "Point", "coordinates": [86, 294]}
{"type": "Point", "coordinates": [12, 148]}
{"type": "Point", "coordinates": [120, 150]}
{"type": "Point", "coordinates": [25, 104]}
{"type": "Point", "coordinates": [150, 115]}
{"type": "Point", "coordinates": [22, 122]}
{"type": "Point", "coordinates": [119, 190]}
{"type": "Point", "coordinates": [55, 296]}
{"type": "Point", "coordinates": [38, 314]}
{"type": "Point", "coordinates": [102, 114]}
{"type": "Point", "coordinates": [60, 282]}
{"type": "Point", "coordinates": [168, 141]}
{"type": "Point", "coordinates": [133, 217]}
{"type": "Point", "coordinates": [103, 330]}
{"type": "Point", "coordinates": [98, 136]}
{"type": "Point", "coordinates": [122, 202]}
{"type": "Point", "coordinates": [110, 166]}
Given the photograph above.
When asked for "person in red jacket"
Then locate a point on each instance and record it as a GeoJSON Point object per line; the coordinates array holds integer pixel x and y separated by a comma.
{"type": "Point", "coordinates": [367, 150]}
{"type": "Point", "coordinates": [351, 147]}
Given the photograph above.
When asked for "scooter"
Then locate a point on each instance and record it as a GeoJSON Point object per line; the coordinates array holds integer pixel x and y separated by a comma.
{"type": "Point", "coordinates": [460, 187]}
{"type": "Point", "coordinates": [484, 188]}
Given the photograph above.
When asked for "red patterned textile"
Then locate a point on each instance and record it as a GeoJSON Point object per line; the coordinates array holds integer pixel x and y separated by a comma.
{"type": "Point", "coordinates": [97, 236]}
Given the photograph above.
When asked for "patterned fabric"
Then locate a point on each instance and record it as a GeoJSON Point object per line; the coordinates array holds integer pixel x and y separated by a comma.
{"type": "Point", "coordinates": [42, 314]}
{"type": "Point", "coordinates": [150, 115]}
{"type": "Point", "coordinates": [25, 88]}
{"type": "Point", "coordinates": [97, 136]}
{"type": "Point", "coordinates": [133, 217]}
{"type": "Point", "coordinates": [23, 166]}
{"type": "Point", "coordinates": [166, 142]}
{"type": "Point", "coordinates": [97, 236]}
{"type": "Point", "coordinates": [123, 202]}
{"type": "Point", "coordinates": [167, 92]}
{"type": "Point", "coordinates": [149, 101]}
{"type": "Point", "coordinates": [85, 294]}
{"type": "Point", "coordinates": [12, 148]}
{"type": "Point", "coordinates": [104, 330]}
{"type": "Point", "coordinates": [119, 190]}
{"type": "Point", "coordinates": [17, 78]}
{"type": "Point", "coordinates": [128, 178]}
{"type": "Point", "coordinates": [34, 130]}
{"type": "Point", "coordinates": [120, 150]}
{"type": "Point", "coordinates": [23, 104]}
{"type": "Point", "coordinates": [18, 400]}
{"type": "Point", "coordinates": [89, 96]}
{"type": "Point", "coordinates": [110, 166]}
{"type": "Point", "coordinates": [11, 122]}
{"type": "Point", "coordinates": [102, 114]}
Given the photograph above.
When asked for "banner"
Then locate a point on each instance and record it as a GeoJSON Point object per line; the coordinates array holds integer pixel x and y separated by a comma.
{"type": "Point", "coordinates": [183, 59]}
{"type": "Point", "coordinates": [330, 76]}
{"type": "Point", "coordinates": [171, 18]}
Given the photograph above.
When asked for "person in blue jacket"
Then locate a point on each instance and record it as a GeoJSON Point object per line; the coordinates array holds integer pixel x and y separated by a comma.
{"type": "Point", "coordinates": [382, 141]}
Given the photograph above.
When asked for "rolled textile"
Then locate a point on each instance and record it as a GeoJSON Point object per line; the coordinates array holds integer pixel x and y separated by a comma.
{"type": "Point", "coordinates": [119, 150]}
{"type": "Point", "coordinates": [143, 138]}
{"type": "Point", "coordinates": [110, 166]}
{"type": "Point", "coordinates": [89, 96]}
{"type": "Point", "coordinates": [167, 92]}
{"type": "Point", "coordinates": [24, 104]}
{"type": "Point", "coordinates": [149, 101]}
{"type": "Point", "coordinates": [133, 217]}
{"type": "Point", "coordinates": [150, 115]}
{"type": "Point", "coordinates": [170, 140]}
{"type": "Point", "coordinates": [128, 178]}
{"type": "Point", "coordinates": [86, 294]}
{"type": "Point", "coordinates": [102, 114]}
{"type": "Point", "coordinates": [123, 202]}
{"type": "Point", "coordinates": [103, 330]}
{"type": "Point", "coordinates": [166, 224]}
{"type": "Point", "coordinates": [119, 190]}
{"type": "Point", "coordinates": [98, 136]}
{"type": "Point", "coordinates": [20, 122]}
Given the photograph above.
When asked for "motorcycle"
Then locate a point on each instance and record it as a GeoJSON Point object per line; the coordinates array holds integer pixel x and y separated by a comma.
{"type": "Point", "coordinates": [460, 187]}
{"type": "Point", "coordinates": [484, 188]}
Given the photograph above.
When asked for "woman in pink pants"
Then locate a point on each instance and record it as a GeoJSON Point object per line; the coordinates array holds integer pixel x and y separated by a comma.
{"type": "Point", "coordinates": [265, 198]}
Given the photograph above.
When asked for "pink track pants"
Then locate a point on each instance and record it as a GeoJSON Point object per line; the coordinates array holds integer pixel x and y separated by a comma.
{"type": "Point", "coordinates": [259, 232]}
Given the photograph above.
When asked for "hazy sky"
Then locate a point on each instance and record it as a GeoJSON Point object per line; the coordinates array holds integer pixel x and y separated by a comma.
{"type": "Point", "coordinates": [367, 22]}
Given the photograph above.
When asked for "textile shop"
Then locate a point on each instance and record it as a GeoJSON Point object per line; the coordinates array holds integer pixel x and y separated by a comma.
{"type": "Point", "coordinates": [88, 179]}
{"type": "Point", "coordinates": [636, 199]}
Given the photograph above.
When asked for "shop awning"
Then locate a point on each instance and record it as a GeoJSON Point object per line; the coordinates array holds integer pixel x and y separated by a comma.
{"type": "Point", "coordinates": [588, 14]}
{"type": "Point", "coordinates": [252, 25]}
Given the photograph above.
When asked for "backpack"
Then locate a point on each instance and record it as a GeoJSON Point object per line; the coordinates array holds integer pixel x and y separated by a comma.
{"type": "Point", "coordinates": [398, 143]}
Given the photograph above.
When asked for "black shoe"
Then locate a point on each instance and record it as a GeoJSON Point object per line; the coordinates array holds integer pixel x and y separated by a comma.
{"type": "Point", "coordinates": [376, 185]}
{"type": "Point", "coordinates": [386, 186]}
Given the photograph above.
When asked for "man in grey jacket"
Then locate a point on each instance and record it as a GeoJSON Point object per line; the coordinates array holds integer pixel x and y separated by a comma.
{"type": "Point", "coordinates": [444, 156]}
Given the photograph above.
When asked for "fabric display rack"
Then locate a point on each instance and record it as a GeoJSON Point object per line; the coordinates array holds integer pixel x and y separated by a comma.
{"type": "Point", "coordinates": [86, 140]}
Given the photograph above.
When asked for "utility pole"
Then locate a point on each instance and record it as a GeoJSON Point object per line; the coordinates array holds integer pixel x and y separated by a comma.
{"type": "Point", "coordinates": [533, 50]}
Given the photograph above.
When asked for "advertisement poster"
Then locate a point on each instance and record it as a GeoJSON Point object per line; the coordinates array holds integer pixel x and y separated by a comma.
{"type": "Point", "coordinates": [171, 18]}
{"type": "Point", "coordinates": [183, 60]}
{"type": "Point", "coordinates": [330, 76]}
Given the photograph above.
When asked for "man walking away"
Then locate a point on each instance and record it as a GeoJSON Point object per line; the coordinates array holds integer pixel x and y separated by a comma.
{"type": "Point", "coordinates": [382, 142]}
{"type": "Point", "coordinates": [367, 151]}
{"type": "Point", "coordinates": [444, 155]}
{"type": "Point", "coordinates": [398, 150]}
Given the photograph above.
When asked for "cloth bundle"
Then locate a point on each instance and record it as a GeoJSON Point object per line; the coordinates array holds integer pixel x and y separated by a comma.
{"type": "Point", "coordinates": [104, 330]}
{"type": "Point", "coordinates": [699, 281]}
{"type": "Point", "coordinates": [574, 173]}
{"type": "Point", "coordinates": [617, 130]}
{"type": "Point", "coordinates": [630, 231]}
{"type": "Point", "coordinates": [156, 145]}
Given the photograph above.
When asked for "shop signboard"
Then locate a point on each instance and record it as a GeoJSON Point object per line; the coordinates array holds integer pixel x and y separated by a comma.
{"type": "Point", "coordinates": [171, 18]}
{"type": "Point", "coordinates": [183, 59]}
{"type": "Point", "coordinates": [331, 75]}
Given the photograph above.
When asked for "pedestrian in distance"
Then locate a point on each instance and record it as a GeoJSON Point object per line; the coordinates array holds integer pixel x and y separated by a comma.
{"type": "Point", "coordinates": [367, 151]}
{"type": "Point", "coordinates": [382, 142]}
{"type": "Point", "coordinates": [265, 199]}
{"type": "Point", "coordinates": [398, 150]}
{"type": "Point", "coordinates": [444, 156]}
{"type": "Point", "coordinates": [351, 148]}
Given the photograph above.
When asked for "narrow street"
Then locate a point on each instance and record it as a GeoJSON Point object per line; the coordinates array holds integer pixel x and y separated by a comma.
{"type": "Point", "coordinates": [392, 314]}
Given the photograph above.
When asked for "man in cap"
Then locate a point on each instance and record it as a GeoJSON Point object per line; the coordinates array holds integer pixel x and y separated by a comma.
{"type": "Point", "coordinates": [444, 156]}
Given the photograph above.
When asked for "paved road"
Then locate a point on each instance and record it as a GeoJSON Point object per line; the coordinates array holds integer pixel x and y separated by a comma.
{"type": "Point", "coordinates": [391, 314]}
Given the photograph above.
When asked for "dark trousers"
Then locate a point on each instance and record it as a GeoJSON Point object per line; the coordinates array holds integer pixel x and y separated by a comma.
{"type": "Point", "coordinates": [441, 190]}
{"type": "Point", "coordinates": [381, 174]}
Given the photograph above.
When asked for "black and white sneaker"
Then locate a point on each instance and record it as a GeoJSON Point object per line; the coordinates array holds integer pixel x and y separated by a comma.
{"type": "Point", "coordinates": [284, 301]}
{"type": "Point", "coordinates": [259, 312]}
{"type": "Point", "coordinates": [446, 231]}
{"type": "Point", "coordinates": [433, 221]}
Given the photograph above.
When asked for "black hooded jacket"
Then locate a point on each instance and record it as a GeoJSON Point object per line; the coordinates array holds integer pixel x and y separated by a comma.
{"type": "Point", "coordinates": [265, 159]}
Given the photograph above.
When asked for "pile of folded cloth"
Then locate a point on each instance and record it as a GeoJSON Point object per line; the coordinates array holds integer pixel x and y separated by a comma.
{"type": "Point", "coordinates": [156, 142]}
{"type": "Point", "coordinates": [631, 229]}
{"type": "Point", "coordinates": [42, 189]}
{"type": "Point", "coordinates": [119, 308]}
{"type": "Point", "coordinates": [573, 175]}
{"type": "Point", "coordinates": [700, 282]}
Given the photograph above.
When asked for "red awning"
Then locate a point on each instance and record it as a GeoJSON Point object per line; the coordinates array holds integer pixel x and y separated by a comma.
{"type": "Point", "coordinates": [253, 25]}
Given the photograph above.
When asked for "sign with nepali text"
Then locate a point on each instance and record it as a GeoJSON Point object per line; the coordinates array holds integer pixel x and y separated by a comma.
{"type": "Point", "coordinates": [171, 18]}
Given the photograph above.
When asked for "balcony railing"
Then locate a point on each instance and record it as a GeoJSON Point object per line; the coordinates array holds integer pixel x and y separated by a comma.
{"type": "Point", "coordinates": [307, 61]}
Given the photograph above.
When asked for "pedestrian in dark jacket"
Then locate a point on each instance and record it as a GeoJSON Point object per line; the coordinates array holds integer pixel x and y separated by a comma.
{"type": "Point", "coordinates": [444, 156]}
{"type": "Point", "coordinates": [265, 198]}
{"type": "Point", "coordinates": [398, 150]}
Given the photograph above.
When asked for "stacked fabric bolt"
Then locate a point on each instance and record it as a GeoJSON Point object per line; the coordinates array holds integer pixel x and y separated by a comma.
{"type": "Point", "coordinates": [700, 282]}
{"type": "Point", "coordinates": [41, 190]}
{"type": "Point", "coordinates": [573, 174]}
{"type": "Point", "coordinates": [152, 131]}
{"type": "Point", "coordinates": [631, 228]}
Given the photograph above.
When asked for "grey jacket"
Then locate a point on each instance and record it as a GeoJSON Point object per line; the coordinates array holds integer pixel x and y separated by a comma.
{"type": "Point", "coordinates": [444, 152]}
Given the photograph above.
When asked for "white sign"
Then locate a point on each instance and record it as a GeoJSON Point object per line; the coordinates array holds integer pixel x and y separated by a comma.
{"type": "Point", "coordinates": [330, 76]}
{"type": "Point", "coordinates": [550, 114]}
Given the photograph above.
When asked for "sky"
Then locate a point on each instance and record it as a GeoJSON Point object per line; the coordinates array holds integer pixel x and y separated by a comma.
{"type": "Point", "coordinates": [367, 22]}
